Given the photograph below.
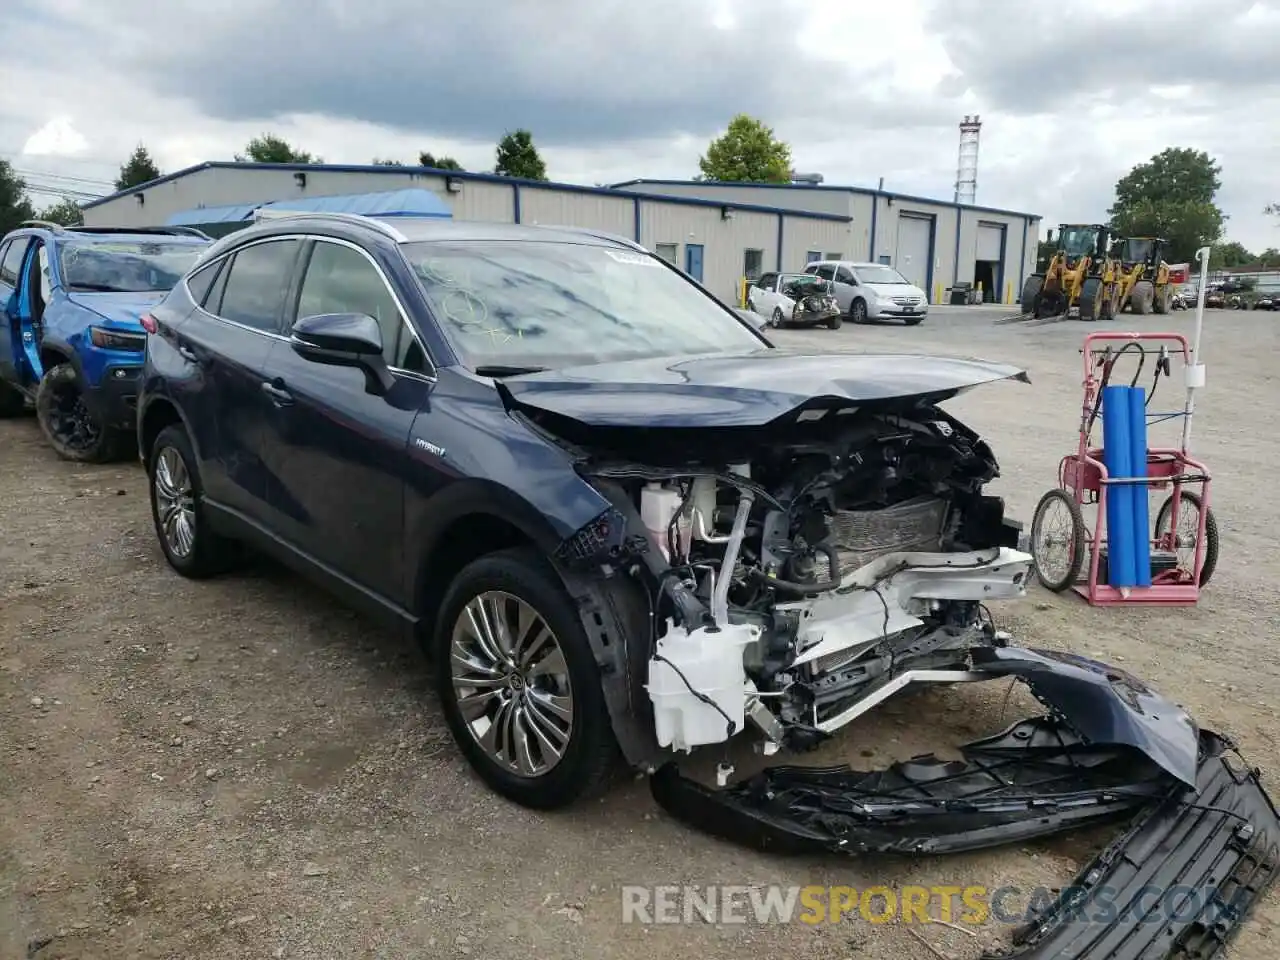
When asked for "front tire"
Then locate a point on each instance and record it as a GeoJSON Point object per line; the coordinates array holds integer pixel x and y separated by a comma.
{"type": "Point", "coordinates": [1091, 300]}
{"type": "Point", "coordinates": [1142, 300]}
{"type": "Point", "coordinates": [912, 321]}
{"type": "Point", "coordinates": [178, 510]}
{"type": "Point", "coordinates": [858, 311]}
{"type": "Point", "coordinates": [519, 684]}
{"type": "Point", "coordinates": [835, 323]}
{"type": "Point", "coordinates": [1059, 507]}
{"type": "Point", "coordinates": [775, 320]}
{"type": "Point", "coordinates": [1031, 292]}
{"type": "Point", "coordinates": [68, 424]}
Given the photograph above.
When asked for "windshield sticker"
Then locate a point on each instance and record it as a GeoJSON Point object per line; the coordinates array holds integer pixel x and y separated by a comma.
{"type": "Point", "coordinates": [635, 259]}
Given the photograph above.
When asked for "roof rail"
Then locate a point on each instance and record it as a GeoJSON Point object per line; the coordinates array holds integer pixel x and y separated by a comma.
{"type": "Point", "coordinates": [353, 218]}
{"type": "Point", "coordinates": [46, 224]}
{"type": "Point", "coordinates": [603, 235]}
{"type": "Point", "coordinates": [162, 231]}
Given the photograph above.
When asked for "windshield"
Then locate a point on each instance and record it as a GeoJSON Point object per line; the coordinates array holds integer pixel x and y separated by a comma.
{"type": "Point", "coordinates": [1138, 251]}
{"type": "Point", "coordinates": [1078, 241]}
{"type": "Point", "coordinates": [876, 274]}
{"type": "Point", "coordinates": [126, 266]}
{"type": "Point", "coordinates": [546, 304]}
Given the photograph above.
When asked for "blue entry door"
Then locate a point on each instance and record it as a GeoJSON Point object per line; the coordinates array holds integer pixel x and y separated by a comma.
{"type": "Point", "coordinates": [693, 260]}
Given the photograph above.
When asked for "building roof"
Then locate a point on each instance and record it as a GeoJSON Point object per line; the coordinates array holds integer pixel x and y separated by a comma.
{"type": "Point", "coordinates": [414, 202]}
{"type": "Point", "coordinates": [384, 170]}
{"type": "Point", "coordinates": [831, 188]}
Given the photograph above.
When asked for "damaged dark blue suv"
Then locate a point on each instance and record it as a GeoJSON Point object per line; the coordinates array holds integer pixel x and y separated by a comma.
{"type": "Point", "coordinates": [617, 517]}
{"type": "Point", "coordinates": [72, 343]}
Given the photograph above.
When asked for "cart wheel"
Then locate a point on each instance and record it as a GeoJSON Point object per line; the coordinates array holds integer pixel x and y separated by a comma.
{"type": "Point", "coordinates": [1185, 537]}
{"type": "Point", "coordinates": [1058, 540]}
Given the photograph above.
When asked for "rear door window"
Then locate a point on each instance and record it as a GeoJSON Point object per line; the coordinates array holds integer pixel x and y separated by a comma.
{"type": "Point", "coordinates": [12, 262]}
{"type": "Point", "coordinates": [257, 284]}
{"type": "Point", "coordinates": [201, 281]}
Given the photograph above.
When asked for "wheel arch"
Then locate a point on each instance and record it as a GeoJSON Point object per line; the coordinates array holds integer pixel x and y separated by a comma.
{"type": "Point", "coordinates": [477, 518]}
{"type": "Point", "coordinates": [160, 412]}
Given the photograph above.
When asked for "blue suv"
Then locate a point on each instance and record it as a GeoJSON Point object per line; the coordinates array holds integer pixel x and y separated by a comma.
{"type": "Point", "coordinates": [72, 342]}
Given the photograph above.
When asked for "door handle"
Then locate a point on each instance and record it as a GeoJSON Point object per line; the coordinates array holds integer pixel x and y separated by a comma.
{"type": "Point", "coordinates": [189, 355]}
{"type": "Point", "coordinates": [276, 391]}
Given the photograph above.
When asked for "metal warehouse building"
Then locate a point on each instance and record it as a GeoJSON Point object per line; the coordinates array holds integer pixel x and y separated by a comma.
{"type": "Point", "coordinates": [933, 243]}
{"type": "Point", "coordinates": [714, 240]}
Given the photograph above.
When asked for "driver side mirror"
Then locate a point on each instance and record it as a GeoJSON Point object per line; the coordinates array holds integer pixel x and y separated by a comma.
{"type": "Point", "coordinates": [344, 340]}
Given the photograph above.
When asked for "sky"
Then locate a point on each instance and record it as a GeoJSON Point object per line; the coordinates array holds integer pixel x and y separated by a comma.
{"type": "Point", "coordinates": [861, 89]}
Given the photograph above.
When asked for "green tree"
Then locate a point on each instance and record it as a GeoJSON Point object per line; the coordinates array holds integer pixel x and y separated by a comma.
{"type": "Point", "coordinates": [268, 148]}
{"type": "Point", "coordinates": [1230, 254]}
{"type": "Point", "coordinates": [65, 212]}
{"type": "Point", "coordinates": [747, 152]}
{"type": "Point", "coordinates": [1270, 257]}
{"type": "Point", "coordinates": [377, 162]}
{"type": "Point", "coordinates": [138, 169]}
{"type": "Point", "coordinates": [518, 157]}
{"type": "Point", "coordinates": [1171, 196]}
{"type": "Point", "coordinates": [426, 159]}
{"type": "Point", "coordinates": [14, 205]}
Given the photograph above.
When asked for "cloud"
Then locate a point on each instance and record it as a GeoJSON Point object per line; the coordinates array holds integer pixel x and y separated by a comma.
{"type": "Point", "coordinates": [614, 90]}
{"type": "Point", "coordinates": [58, 137]}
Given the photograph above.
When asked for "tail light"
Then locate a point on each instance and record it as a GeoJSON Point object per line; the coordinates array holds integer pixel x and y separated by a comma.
{"type": "Point", "coordinates": [149, 323]}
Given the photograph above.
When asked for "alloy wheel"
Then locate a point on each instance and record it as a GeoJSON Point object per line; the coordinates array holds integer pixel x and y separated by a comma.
{"type": "Point", "coordinates": [70, 421]}
{"type": "Point", "coordinates": [511, 683]}
{"type": "Point", "coordinates": [175, 503]}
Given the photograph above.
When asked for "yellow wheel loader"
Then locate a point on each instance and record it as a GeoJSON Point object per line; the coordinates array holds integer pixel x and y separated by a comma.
{"type": "Point", "coordinates": [1144, 284]}
{"type": "Point", "coordinates": [1078, 275]}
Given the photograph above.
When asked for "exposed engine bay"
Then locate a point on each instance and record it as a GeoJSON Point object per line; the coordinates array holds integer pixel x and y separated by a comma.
{"type": "Point", "coordinates": [792, 542]}
{"type": "Point", "coordinates": [801, 587]}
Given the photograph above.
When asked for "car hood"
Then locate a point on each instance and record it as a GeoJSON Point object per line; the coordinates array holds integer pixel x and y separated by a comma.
{"type": "Point", "coordinates": [895, 290]}
{"type": "Point", "coordinates": [123, 309]}
{"type": "Point", "coordinates": [747, 389]}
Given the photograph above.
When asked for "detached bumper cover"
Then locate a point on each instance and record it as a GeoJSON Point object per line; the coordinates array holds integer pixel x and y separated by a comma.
{"type": "Point", "coordinates": [1178, 883]}
{"type": "Point", "coordinates": [1202, 846]}
{"type": "Point", "coordinates": [1033, 779]}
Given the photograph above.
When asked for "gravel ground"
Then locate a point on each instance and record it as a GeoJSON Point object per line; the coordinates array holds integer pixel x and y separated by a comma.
{"type": "Point", "coordinates": [242, 768]}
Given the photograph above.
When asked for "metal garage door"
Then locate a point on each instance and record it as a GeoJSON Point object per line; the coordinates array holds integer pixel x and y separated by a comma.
{"type": "Point", "coordinates": [912, 255]}
{"type": "Point", "coordinates": [990, 240]}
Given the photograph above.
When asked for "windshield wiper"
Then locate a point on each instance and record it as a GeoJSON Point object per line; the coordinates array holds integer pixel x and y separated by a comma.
{"type": "Point", "coordinates": [504, 370]}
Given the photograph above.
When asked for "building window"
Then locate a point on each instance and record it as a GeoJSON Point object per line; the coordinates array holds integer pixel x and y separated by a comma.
{"type": "Point", "coordinates": [834, 256]}
{"type": "Point", "coordinates": [812, 255]}
{"type": "Point", "coordinates": [752, 263]}
{"type": "Point", "coordinates": [669, 252]}
{"type": "Point", "coordinates": [885, 258]}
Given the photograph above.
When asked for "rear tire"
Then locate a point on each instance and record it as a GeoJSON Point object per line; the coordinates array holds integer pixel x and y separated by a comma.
{"type": "Point", "coordinates": [1030, 292]}
{"type": "Point", "coordinates": [73, 431]}
{"type": "Point", "coordinates": [589, 751]}
{"type": "Point", "coordinates": [177, 499]}
{"type": "Point", "coordinates": [12, 402]}
{"type": "Point", "coordinates": [1142, 300]}
{"type": "Point", "coordinates": [1091, 300]}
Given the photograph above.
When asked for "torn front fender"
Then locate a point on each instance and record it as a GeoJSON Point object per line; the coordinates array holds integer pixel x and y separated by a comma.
{"type": "Point", "coordinates": [1104, 704]}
